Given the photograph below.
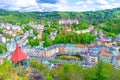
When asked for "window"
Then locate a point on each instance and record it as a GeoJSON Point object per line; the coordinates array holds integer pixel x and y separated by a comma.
{"type": "Point", "coordinates": [92, 59]}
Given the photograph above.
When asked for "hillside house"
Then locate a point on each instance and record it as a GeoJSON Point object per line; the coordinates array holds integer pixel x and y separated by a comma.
{"type": "Point", "coordinates": [114, 60]}
{"type": "Point", "coordinates": [118, 61]}
{"type": "Point", "coordinates": [70, 48]}
{"type": "Point", "coordinates": [93, 56]}
{"type": "Point", "coordinates": [105, 56]}
{"type": "Point", "coordinates": [68, 29]}
{"type": "Point", "coordinates": [11, 46]}
{"type": "Point", "coordinates": [91, 27]}
{"type": "Point", "coordinates": [2, 39]}
{"type": "Point", "coordinates": [46, 53]}
{"type": "Point", "coordinates": [79, 48]}
{"type": "Point", "coordinates": [69, 21]}
{"type": "Point", "coordinates": [56, 49]}
{"type": "Point", "coordinates": [114, 46]}
{"type": "Point", "coordinates": [62, 49]}
{"type": "Point", "coordinates": [53, 34]}
{"type": "Point", "coordinates": [40, 30]}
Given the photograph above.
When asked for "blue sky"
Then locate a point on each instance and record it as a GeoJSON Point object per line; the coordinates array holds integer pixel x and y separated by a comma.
{"type": "Point", "coordinates": [58, 5]}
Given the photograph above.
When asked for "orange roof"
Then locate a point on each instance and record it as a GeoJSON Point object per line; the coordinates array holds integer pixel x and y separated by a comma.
{"type": "Point", "coordinates": [80, 46]}
{"type": "Point", "coordinates": [103, 53]}
{"type": "Point", "coordinates": [91, 45]}
{"type": "Point", "coordinates": [118, 57]}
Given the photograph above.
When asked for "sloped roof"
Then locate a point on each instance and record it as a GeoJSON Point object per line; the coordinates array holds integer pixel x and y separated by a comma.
{"type": "Point", "coordinates": [104, 53]}
{"type": "Point", "coordinates": [94, 54]}
{"type": "Point", "coordinates": [91, 45]}
{"type": "Point", "coordinates": [18, 55]}
{"type": "Point", "coordinates": [80, 46]}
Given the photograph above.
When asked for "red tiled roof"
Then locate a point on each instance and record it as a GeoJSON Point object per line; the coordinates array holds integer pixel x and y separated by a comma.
{"type": "Point", "coordinates": [18, 55]}
{"type": "Point", "coordinates": [91, 45]}
{"type": "Point", "coordinates": [103, 53]}
{"type": "Point", "coordinates": [79, 46]}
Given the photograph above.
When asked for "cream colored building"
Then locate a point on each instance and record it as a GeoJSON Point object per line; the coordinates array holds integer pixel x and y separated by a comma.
{"type": "Point", "coordinates": [93, 59]}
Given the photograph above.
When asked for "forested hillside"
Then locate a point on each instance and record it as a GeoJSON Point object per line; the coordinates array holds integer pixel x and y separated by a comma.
{"type": "Point", "coordinates": [88, 17]}
{"type": "Point", "coordinates": [110, 27]}
{"type": "Point", "coordinates": [16, 17]}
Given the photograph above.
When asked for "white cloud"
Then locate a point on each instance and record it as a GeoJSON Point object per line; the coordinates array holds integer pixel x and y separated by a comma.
{"type": "Point", "coordinates": [90, 1]}
{"type": "Point", "coordinates": [2, 5]}
{"type": "Point", "coordinates": [20, 3]}
{"type": "Point", "coordinates": [63, 1]}
{"type": "Point", "coordinates": [61, 5]}
{"type": "Point", "coordinates": [85, 6]}
{"type": "Point", "coordinates": [102, 2]}
{"type": "Point", "coordinates": [112, 0]}
{"type": "Point", "coordinates": [79, 2]}
{"type": "Point", "coordinates": [17, 5]}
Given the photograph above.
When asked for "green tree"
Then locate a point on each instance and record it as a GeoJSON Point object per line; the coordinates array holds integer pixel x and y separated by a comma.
{"type": "Point", "coordinates": [3, 48]}
{"type": "Point", "coordinates": [49, 30]}
{"type": "Point", "coordinates": [30, 37]}
{"type": "Point", "coordinates": [35, 32]}
{"type": "Point", "coordinates": [45, 36]}
{"type": "Point", "coordinates": [33, 42]}
{"type": "Point", "coordinates": [118, 43]}
{"type": "Point", "coordinates": [101, 71]}
{"type": "Point", "coordinates": [49, 77]}
{"type": "Point", "coordinates": [47, 43]}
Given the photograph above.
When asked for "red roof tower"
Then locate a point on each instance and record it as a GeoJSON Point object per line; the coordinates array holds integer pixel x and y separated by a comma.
{"type": "Point", "coordinates": [18, 55]}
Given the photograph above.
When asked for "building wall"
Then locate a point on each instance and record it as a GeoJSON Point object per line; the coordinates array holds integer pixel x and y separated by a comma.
{"type": "Point", "coordinates": [93, 59]}
{"type": "Point", "coordinates": [75, 21]}
{"type": "Point", "coordinates": [67, 49]}
{"type": "Point", "coordinates": [117, 49]}
{"type": "Point", "coordinates": [99, 43]}
{"type": "Point", "coordinates": [118, 62]}
{"type": "Point", "coordinates": [108, 44]}
{"type": "Point", "coordinates": [53, 51]}
{"type": "Point", "coordinates": [114, 60]}
{"type": "Point", "coordinates": [71, 49]}
{"type": "Point", "coordinates": [79, 50]}
{"type": "Point", "coordinates": [57, 50]}
{"type": "Point", "coordinates": [42, 53]}
{"type": "Point", "coordinates": [62, 50]}
{"type": "Point", "coordinates": [106, 59]}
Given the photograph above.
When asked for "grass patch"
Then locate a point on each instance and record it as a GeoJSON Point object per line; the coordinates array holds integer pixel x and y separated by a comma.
{"type": "Point", "coordinates": [58, 62]}
{"type": "Point", "coordinates": [69, 57]}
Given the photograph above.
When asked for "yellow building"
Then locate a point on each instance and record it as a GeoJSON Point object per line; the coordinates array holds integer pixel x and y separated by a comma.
{"type": "Point", "coordinates": [108, 44]}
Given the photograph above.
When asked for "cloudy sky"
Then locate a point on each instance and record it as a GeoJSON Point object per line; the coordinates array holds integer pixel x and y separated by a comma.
{"type": "Point", "coordinates": [58, 5]}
